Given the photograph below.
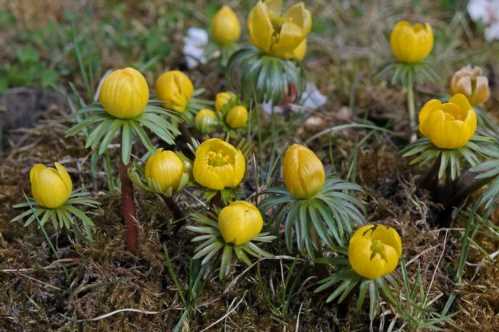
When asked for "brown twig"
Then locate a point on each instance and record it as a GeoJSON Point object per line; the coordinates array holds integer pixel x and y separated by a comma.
{"type": "Point", "coordinates": [128, 210]}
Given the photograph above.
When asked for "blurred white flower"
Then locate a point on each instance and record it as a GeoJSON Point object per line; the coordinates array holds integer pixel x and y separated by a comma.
{"type": "Point", "coordinates": [311, 99]}
{"type": "Point", "coordinates": [487, 13]}
{"type": "Point", "coordinates": [195, 43]}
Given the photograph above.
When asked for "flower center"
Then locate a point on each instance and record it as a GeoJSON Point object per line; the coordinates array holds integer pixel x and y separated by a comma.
{"type": "Point", "coordinates": [217, 159]}
{"type": "Point", "coordinates": [378, 247]}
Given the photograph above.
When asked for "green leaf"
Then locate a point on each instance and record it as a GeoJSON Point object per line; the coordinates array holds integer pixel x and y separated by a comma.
{"type": "Point", "coordinates": [126, 143]}
{"type": "Point", "coordinates": [362, 294]}
{"type": "Point", "coordinates": [97, 134]}
{"type": "Point", "coordinates": [241, 255]}
{"type": "Point", "coordinates": [225, 262]}
{"type": "Point", "coordinates": [115, 126]}
{"type": "Point", "coordinates": [142, 136]}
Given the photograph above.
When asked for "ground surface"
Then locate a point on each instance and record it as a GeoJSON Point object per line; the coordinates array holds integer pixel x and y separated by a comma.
{"type": "Point", "coordinates": [42, 291]}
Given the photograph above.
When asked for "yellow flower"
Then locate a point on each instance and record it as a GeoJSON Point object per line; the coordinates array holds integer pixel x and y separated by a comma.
{"type": "Point", "coordinates": [51, 187]}
{"type": "Point", "coordinates": [206, 120]}
{"type": "Point", "coordinates": [237, 117]}
{"type": "Point", "coordinates": [223, 98]}
{"type": "Point", "coordinates": [218, 165]}
{"type": "Point", "coordinates": [240, 222]}
{"type": "Point", "coordinates": [470, 82]}
{"type": "Point", "coordinates": [374, 251]}
{"type": "Point", "coordinates": [225, 28]}
{"type": "Point", "coordinates": [411, 43]}
{"type": "Point", "coordinates": [303, 172]}
{"type": "Point", "coordinates": [124, 93]}
{"type": "Point", "coordinates": [276, 33]}
{"type": "Point", "coordinates": [175, 90]}
{"type": "Point", "coordinates": [164, 170]}
{"type": "Point", "coordinates": [448, 125]}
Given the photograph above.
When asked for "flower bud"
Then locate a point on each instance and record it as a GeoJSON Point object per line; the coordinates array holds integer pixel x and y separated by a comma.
{"type": "Point", "coordinates": [226, 28]}
{"type": "Point", "coordinates": [124, 93]}
{"type": "Point", "coordinates": [175, 90]}
{"type": "Point", "coordinates": [164, 171]}
{"type": "Point", "coordinates": [374, 251]}
{"type": "Point", "coordinates": [223, 98]}
{"type": "Point", "coordinates": [448, 125]}
{"type": "Point", "coordinates": [51, 187]}
{"type": "Point", "coordinates": [206, 121]}
{"type": "Point", "coordinates": [411, 43]}
{"type": "Point", "coordinates": [237, 117]}
{"type": "Point", "coordinates": [240, 222]}
{"type": "Point", "coordinates": [303, 172]}
{"type": "Point", "coordinates": [470, 82]}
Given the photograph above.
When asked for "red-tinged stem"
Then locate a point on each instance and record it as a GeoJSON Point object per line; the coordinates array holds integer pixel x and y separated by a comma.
{"type": "Point", "coordinates": [128, 210]}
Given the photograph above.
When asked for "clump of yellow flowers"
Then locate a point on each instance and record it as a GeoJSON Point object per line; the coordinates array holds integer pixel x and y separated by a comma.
{"type": "Point", "coordinates": [374, 251]}
{"type": "Point", "coordinates": [225, 28]}
{"type": "Point", "coordinates": [230, 110]}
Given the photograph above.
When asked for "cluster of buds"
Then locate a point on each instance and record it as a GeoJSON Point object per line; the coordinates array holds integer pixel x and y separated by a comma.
{"type": "Point", "coordinates": [228, 110]}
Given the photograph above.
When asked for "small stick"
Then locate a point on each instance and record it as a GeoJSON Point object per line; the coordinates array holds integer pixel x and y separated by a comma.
{"type": "Point", "coordinates": [128, 210]}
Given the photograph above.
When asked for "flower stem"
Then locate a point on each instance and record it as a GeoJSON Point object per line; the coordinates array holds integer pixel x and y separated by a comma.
{"type": "Point", "coordinates": [455, 194]}
{"type": "Point", "coordinates": [412, 108]}
{"type": "Point", "coordinates": [128, 210]}
{"type": "Point", "coordinates": [176, 212]}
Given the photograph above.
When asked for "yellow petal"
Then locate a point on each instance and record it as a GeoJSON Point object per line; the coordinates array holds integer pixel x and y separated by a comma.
{"type": "Point", "coordinates": [424, 41]}
{"type": "Point", "coordinates": [300, 51]}
{"type": "Point", "coordinates": [63, 173]}
{"type": "Point", "coordinates": [388, 236]}
{"type": "Point", "coordinates": [290, 37]}
{"type": "Point", "coordinates": [300, 16]}
{"type": "Point", "coordinates": [428, 108]}
{"type": "Point", "coordinates": [482, 91]}
{"type": "Point", "coordinates": [461, 100]}
{"type": "Point", "coordinates": [470, 123]}
{"type": "Point", "coordinates": [34, 172]}
{"type": "Point", "coordinates": [260, 27]}
{"type": "Point", "coordinates": [274, 7]}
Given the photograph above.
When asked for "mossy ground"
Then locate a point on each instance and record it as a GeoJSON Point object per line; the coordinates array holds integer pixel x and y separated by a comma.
{"type": "Point", "coordinates": [75, 289]}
